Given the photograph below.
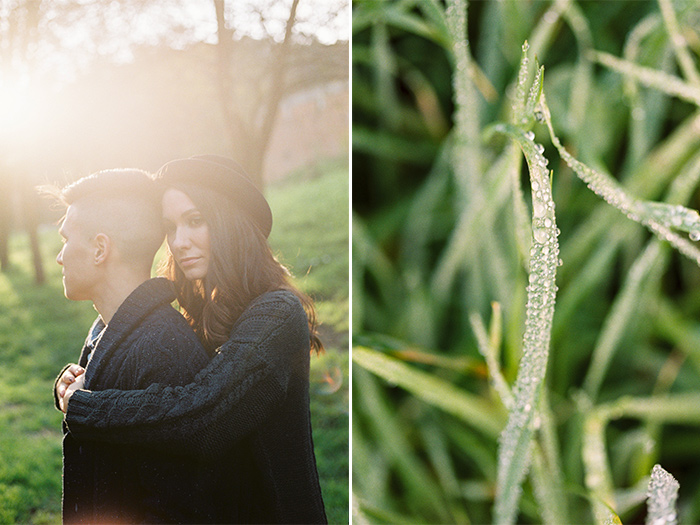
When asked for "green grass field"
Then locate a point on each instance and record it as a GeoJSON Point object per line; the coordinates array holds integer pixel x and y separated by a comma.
{"type": "Point", "coordinates": [40, 331]}
{"type": "Point", "coordinates": [513, 363]}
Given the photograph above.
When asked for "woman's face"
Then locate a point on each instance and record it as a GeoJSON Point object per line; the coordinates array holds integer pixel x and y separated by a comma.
{"type": "Point", "coordinates": [188, 234]}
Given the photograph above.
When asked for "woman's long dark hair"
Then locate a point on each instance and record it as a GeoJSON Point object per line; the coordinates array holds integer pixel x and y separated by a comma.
{"type": "Point", "coordinates": [241, 268]}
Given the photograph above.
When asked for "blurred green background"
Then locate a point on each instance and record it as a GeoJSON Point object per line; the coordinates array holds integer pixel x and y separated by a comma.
{"type": "Point", "coordinates": [427, 255]}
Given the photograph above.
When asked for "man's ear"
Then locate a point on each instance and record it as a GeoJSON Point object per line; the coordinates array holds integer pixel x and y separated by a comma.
{"type": "Point", "coordinates": [103, 247]}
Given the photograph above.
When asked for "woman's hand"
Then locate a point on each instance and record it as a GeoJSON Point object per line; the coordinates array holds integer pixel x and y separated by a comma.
{"type": "Point", "coordinates": [72, 379]}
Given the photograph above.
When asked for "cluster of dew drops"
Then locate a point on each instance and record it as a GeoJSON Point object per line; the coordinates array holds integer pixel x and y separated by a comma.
{"type": "Point", "coordinates": [544, 253]}
{"type": "Point", "coordinates": [542, 203]}
{"type": "Point", "coordinates": [662, 493]}
{"type": "Point", "coordinates": [682, 217]}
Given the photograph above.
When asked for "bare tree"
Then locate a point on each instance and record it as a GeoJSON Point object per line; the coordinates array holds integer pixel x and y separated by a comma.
{"type": "Point", "coordinates": [250, 112]}
{"type": "Point", "coordinates": [18, 44]}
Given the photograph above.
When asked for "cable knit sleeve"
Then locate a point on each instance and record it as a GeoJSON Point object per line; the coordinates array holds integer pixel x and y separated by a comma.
{"type": "Point", "coordinates": [231, 396]}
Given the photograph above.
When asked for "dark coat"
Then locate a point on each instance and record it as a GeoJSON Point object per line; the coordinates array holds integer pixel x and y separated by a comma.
{"type": "Point", "coordinates": [248, 410]}
{"type": "Point", "coordinates": [146, 341]}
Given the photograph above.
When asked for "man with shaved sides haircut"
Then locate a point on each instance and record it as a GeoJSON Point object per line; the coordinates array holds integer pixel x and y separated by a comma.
{"type": "Point", "coordinates": [111, 232]}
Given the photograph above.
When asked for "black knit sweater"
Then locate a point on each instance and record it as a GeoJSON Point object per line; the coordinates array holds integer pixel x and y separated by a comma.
{"type": "Point", "coordinates": [147, 340]}
{"type": "Point", "coordinates": [248, 410]}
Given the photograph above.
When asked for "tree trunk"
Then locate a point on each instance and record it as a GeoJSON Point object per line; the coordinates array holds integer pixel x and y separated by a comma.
{"type": "Point", "coordinates": [254, 135]}
{"type": "Point", "coordinates": [278, 84]}
{"type": "Point", "coordinates": [223, 48]}
{"type": "Point", "coordinates": [31, 225]}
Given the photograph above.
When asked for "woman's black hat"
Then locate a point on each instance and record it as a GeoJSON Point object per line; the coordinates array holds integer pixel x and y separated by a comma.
{"type": "Point", "coordinates": [224, 175]}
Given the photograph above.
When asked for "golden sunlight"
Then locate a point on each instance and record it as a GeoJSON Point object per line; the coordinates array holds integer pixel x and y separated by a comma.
{"type": "Point", "coordinates": [20, 104]}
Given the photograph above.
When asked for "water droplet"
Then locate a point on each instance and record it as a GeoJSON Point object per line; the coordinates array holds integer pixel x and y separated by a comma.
{"type": "Point", "coordinates": [530, 135]}
{"type": "Point", "coordinates": [540, 235]}
{"type": "Point", "coordinates": [538, 209]}
{"type": "Point", "coordinates": [695, 235]}
{"type": "Point", "coordinates": [548, 222]}
{"type": "Point", "coordinates": [539, 148]}
{"type": "Point", "coordinates": [539, 116]}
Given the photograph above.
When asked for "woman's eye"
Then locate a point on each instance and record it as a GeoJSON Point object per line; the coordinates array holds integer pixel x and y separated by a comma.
{"type": "Point", "coordinates": [196, 221]}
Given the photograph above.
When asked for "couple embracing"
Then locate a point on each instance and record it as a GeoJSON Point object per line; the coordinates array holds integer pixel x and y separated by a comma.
{"type": "Point", "coordinates": [193, 417]}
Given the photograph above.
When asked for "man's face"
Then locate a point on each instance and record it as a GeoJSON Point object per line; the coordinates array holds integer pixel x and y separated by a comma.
{"type": "Point", "coordinates": [77, 257]}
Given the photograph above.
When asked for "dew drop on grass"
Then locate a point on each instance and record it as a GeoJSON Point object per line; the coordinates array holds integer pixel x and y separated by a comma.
{"type": "Point", "coordinates": [539, 148]}
{"type": "Point", "coordinates": [530, 135]}
{"type": "Point", "coordinates": [695, 235]}
{"type": "Point", "coordinates": [662, 494]}
{"type": "Point", "coordinates": [538, 209]}
{"type": "Point", "coordinates": [540, 235]}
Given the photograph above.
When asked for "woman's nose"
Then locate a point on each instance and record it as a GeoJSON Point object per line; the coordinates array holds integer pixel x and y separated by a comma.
{"type": "Point", "coordinates": [179, 240]}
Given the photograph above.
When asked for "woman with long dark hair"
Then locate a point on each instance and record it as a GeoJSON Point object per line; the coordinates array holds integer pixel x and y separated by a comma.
{"type": "Point", "coordinates": [247, 413]}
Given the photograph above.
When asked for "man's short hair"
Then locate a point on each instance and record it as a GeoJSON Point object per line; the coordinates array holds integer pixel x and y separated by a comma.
{"type": "Point", "coordinates": [124, 204]}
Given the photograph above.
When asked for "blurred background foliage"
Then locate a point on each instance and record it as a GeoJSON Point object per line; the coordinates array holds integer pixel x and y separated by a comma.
{"type": "Point", "coordinates": [427, 255]}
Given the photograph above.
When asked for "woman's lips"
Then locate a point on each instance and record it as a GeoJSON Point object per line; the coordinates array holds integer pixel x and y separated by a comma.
{"type": "Point", "coordinates": [189, 261]}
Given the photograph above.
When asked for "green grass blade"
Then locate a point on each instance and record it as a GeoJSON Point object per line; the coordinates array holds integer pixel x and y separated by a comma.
{"type": "Point", "coordinates": [547, 476]}
{"type": "Point", "coordinates": [663, 493]}
{"type": "Point", "coordinates": [623, 311]}
{"type": "Point", "coordinates": [489, 344]}
{"type": "Point", "coordinates": [461, 250]}
{"type": "Point", "coordinates": [470, 408]}
{"type": "Point", "coordinates": [661, 219]}
{"type": "Point", "coordinates": [669, 84]}
{"type": "Point", "coordinates": [425, 497]}
{"type": "Point", "coordinates": [467, 152]}
{"type": "Point", "coordinates": [521, 87]}
{"type": "Point", "coordinates": [547, 490]}
{"type": "Point", "coordinates": [598, 477]}
{"type": "Point", "coordinates": [515, 442]}
{"type": "Point", "coordinates": [680, 44]}
{"type": "Point", "coordinates": [673, 408]}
